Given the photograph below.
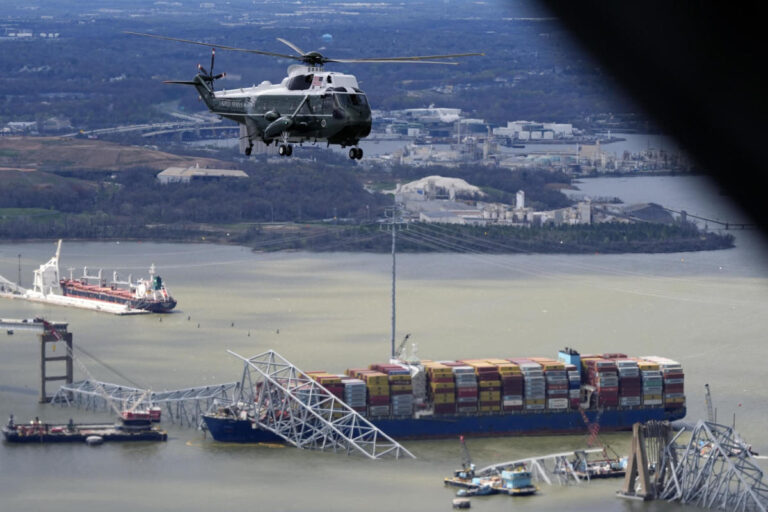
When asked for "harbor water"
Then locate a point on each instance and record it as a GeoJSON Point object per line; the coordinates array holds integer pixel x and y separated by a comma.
{"type": "Point", "coordinates": [331, 311]}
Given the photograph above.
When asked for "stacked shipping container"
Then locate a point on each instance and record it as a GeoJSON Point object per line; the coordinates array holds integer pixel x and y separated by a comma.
{"type": "Point", "coordinates": [493, 386]}
{"type": "Point", "coordinates": [673, 380]}
{"type": "Point", "coordinates": [442, 388]}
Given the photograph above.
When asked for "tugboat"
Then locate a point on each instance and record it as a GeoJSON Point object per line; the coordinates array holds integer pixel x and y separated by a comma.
{"type": "Point", "coordinates": [132, 426]}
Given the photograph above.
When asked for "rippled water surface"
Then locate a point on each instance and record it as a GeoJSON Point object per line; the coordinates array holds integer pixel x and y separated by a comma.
{"type": "Point", "coordinates": [332, 311]}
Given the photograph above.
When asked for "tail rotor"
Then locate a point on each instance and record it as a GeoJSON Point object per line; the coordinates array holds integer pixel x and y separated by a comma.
{"type": "Point", "coordinates": [209, 76]}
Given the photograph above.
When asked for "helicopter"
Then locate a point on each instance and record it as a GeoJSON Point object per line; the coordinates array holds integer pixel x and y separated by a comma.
{"type": "Point", "coordinates": [309, 105]}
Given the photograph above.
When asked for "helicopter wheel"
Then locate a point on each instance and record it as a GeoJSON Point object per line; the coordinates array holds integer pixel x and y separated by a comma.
{"type": "Point", "coordinates": [288, 150]}
{"type": "Point", "coordinates": [355, 153]}
{"type": "Point", "coordinates": [248, 150]}
{"type": "Point", "coordinates": [359, 153]}
{"type": "Point", "coordinates": [281, 150]}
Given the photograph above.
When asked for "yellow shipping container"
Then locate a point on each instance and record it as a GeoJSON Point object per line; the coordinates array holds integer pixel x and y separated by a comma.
{"type": "Point", "coordinates": [487, 396]}
{"type": "Point", "coordinates": [497, 362]}
{"type": "Point", "coordinates": [489, 383]}
{"type": "Point", "coordinates": [535, 401]}
{"type": "Point", "coordinates": [443, 398]}
{"type": "Point", "coordinates": [401, 387]}
{"type": "Point", "coordinates": [378, 390]}
{"type": "Point", "coordinates": [442, 385]}
{"type": "Point", "coordinates": [489, 408]}
{"type": "Point", "coordinates": [399, 378]}
{"type": "Point", "coordinates": [376, 380]}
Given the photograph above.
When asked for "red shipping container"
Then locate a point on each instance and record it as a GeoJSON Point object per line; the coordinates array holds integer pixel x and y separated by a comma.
{"type": "Point", "coordinates": [378, 400]}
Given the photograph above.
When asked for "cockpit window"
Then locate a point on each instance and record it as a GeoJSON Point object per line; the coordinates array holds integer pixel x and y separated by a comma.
{"type": "Point", "coordinates": [352, 100]}
{"type": "Point", "coordinates": [300, 82]}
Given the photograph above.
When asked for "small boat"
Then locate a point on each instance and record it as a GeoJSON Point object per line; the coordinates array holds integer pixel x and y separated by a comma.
{"type": "Point", "coordinates": [132, 426]}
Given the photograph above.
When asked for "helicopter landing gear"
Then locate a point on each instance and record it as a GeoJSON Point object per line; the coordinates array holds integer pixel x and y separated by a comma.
{"type": "Point", "coordinates": [285, 150]}
{"type": "Point", "coordinates": [355, 153]}
{"type": "Point", "coordinates": [248, 150]}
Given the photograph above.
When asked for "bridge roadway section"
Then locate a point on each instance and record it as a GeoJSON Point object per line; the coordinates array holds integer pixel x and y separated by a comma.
{"type": "Point", "coordinates": [273, 393]}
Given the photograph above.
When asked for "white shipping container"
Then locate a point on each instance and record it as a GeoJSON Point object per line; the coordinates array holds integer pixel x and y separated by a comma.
{"type": "Point", "coordinates": [574, 393]}
{"type": "Point", "coordinates": [512, 402]}
{"type": "Point", "coordinates": [652, 401]}
{"type": "Point", "coordinates": [630, 401]}
{"type": "Point", "coordinates": [557, 403]}
{"type": "Point", "coordinates": [378, 410]}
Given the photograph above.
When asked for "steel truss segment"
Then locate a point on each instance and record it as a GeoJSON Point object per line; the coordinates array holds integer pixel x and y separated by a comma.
{"type": "Point", "coordinates": [284, 400]}
{"type": "Point", "coordinates": [715, 470]}
{"type": "Point", "coordinates": [546, 468]}
{"type": "Point", "coordinates": [182, 406]}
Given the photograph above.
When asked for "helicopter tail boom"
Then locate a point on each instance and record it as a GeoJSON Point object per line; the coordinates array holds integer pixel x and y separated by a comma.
{"type": "Point", "coordinates": [203, 88]}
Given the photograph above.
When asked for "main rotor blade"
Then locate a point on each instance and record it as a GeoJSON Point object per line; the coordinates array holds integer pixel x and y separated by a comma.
{"type": "Point", "coordinates": [391, 61]}
{"type": "Point", "coordinates": [221, 47]}
{"type": "Point", "coordinates": [424, 59]}
{"type": "Point", "coordinates": [291, 45]}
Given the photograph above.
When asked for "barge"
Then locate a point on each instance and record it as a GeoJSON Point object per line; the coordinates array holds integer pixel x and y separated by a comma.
{"type": "Point", "coordinates": [132, 426]}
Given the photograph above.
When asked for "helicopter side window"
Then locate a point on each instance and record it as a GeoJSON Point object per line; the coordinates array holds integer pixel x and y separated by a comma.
{"type": "Point", "coordinates": [328, 104]}
{"type": "Point", "coordinates": [300, 82]}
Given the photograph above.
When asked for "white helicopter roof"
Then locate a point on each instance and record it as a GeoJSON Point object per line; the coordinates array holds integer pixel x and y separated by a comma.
{"type": "Point", "coordinates": [321, 80]}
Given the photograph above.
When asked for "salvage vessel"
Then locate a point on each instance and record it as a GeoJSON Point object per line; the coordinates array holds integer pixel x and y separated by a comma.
{"type": "Point", "coordinates": [144, 294]}
{"type": "Point", "coordinates": [93, 292]}
{"type": "Point", "coordinates": [492, 397]}
{"type": "Point", "coordinates": [132, 426]}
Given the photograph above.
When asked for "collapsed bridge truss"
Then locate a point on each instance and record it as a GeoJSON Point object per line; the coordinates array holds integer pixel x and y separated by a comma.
{"type": "Point", "coordinates": [182, 406]}
{"type": "Point", "coordinates": [284, 400]}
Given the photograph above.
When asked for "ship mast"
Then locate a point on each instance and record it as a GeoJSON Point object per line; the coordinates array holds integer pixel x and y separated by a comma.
{"type": "Point", "coordinates": [394, 275]}
{"type": "Point", "coordinates": [394, 221]}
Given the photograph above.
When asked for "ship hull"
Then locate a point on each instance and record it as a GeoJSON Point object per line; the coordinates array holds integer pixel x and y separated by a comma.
{"type": "Point", "coordinates": [440, 427]}
{"type": "Point", "coordinates": [154, 306]}
{"type": "Point", "coordinates": [79, 435]}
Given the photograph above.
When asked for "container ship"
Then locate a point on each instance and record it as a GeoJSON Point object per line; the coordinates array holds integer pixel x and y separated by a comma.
{"type": "Point", "coordinates": [495, 397]}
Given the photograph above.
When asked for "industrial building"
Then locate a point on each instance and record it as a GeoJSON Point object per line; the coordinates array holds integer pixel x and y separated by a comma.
{"type": "Point", "coordinates": [196, 173]}
{"type": "Point", "coordinates": [528, 130]}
